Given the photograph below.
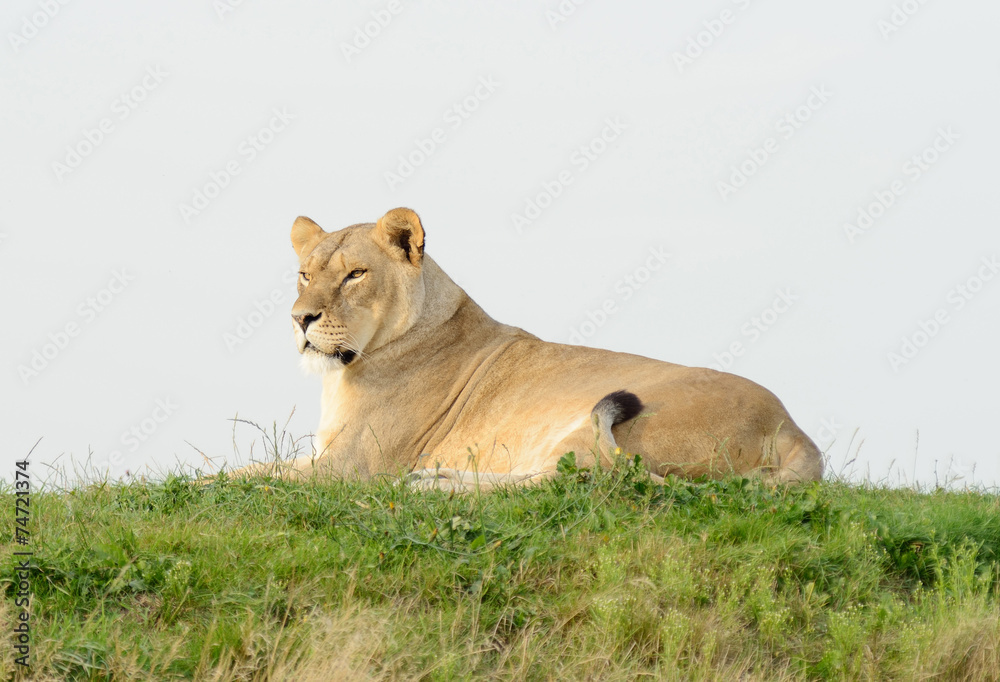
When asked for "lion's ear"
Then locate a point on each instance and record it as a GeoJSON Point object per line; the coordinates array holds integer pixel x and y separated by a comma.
{"type": "Point", "coordinates": [305, 234]}
{"type": "Point", "coordinates": [401, 233]}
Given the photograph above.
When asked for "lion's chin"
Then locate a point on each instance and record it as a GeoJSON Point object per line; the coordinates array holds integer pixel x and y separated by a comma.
{"type": "Point", "coordinates": [315, 361]}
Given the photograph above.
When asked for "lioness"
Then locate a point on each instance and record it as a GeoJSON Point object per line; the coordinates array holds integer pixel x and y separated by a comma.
{"type": "Point", "coordinates": [416, 377]}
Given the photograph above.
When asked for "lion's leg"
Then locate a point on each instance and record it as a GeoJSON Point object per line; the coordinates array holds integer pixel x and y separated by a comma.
{"type": "Point", "coordinates": [459, 480]}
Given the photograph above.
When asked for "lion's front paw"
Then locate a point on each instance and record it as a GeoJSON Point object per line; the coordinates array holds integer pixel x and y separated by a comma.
{"type": "Point", "coordinates": [436, 479]}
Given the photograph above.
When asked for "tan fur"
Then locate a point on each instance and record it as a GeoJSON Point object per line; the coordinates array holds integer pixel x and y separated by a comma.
{"type": "Point", "coordinates": [438, 387]}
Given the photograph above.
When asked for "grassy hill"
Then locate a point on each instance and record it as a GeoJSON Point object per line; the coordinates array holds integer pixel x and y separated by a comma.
{"type": "Point", "coordinates": [595, 575]}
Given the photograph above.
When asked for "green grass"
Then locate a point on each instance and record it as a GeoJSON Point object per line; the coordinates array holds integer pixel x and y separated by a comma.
{"type": "Point", "coordinates": [594, 575]}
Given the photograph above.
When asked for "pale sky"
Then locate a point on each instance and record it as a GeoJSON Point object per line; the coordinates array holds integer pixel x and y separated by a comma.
{"type": "Point", "coordinates": [800, 193]}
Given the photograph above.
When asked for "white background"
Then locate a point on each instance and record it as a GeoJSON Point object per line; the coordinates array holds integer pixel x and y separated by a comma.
{"type": "Point", "coordinates": [558, 73]}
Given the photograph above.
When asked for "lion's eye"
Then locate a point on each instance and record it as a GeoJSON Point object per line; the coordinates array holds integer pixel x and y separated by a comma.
{"type": "Point", "coordinates": [354, 274]}
{"type": "Point", "coordinates": [304, 278]}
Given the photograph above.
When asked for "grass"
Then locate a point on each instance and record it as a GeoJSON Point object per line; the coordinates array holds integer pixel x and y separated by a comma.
{"type": "Point", "coordinates": [593, 575]}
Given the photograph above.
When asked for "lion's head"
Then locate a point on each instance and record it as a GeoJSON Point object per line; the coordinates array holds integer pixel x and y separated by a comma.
{"type": "Point", "coordinates": [359, 288]}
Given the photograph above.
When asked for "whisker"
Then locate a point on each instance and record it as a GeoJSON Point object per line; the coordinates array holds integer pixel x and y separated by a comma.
{"type": "Point", "coordinates": [352, 345]}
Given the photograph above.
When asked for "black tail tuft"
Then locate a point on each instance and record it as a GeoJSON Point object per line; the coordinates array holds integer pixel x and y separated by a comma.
{"type": "Point", "coordinates": [621, 406]}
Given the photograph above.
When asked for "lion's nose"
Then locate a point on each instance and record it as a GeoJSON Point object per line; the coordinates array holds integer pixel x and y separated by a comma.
{"type": "Point", "coordinates": [305, 320]}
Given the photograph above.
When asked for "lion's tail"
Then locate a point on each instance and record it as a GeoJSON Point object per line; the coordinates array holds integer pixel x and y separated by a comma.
{"type": "Point", "coordinates": [611, 410]}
